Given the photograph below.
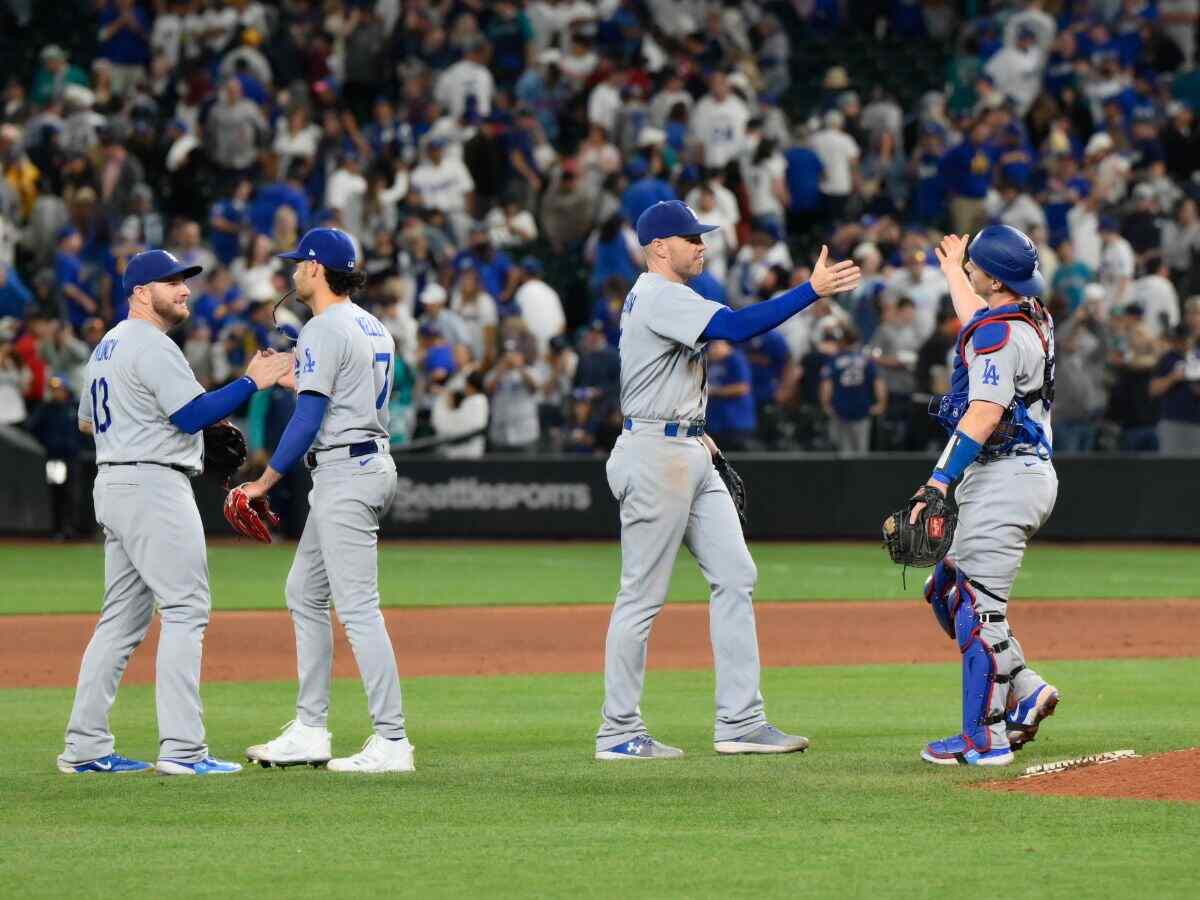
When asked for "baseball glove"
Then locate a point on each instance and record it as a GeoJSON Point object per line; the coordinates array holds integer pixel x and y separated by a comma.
{"type": "Point", "coordinates": [246, 515]}
{"type": "Point", "coordinates": [733, 482]}
{"type": "Point", "coordinates": [925, 543]}
{"type": "Point", "coordinates": [224, 450]}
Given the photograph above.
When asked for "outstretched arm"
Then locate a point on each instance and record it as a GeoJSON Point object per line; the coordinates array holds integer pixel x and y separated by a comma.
{"type": "Point", "coordinates": [266, 368]}
{"type": "Point", "coordinates": [743, 324]}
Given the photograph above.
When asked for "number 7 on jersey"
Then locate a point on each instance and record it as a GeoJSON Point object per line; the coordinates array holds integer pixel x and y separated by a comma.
{"type": "Point", "coordinates": [386, 359]}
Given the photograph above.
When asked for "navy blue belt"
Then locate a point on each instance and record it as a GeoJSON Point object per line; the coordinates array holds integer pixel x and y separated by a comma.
{"type": "Point", "coordinates": [190, 473]}
{"type": "Point", "coordinates": [673, 429]}
{"type": "Point", "coordinates": [363, 448]}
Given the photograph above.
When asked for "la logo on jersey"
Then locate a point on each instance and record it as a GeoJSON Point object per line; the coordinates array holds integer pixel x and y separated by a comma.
{"type": "Point", "coordinates": [310, 364]}
{"type": "Point", "coordinates": [990, 375]}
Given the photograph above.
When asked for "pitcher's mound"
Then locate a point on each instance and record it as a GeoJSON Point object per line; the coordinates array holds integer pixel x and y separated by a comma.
{"type": "Point", "coordinates": [1168, 776]}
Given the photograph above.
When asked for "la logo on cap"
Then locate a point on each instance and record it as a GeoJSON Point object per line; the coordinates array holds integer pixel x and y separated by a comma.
{"type": "Point", "coordinates": [312, 252]}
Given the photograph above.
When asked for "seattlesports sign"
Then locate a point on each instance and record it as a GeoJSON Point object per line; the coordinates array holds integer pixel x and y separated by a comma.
{"type": "Point", "coordinates": [416, 500]}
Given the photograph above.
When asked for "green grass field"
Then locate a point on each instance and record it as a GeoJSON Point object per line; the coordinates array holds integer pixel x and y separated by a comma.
{"type": "Point", "coordinates": [507, 802]}
{"type": "Point", "coordinates": [252, 577]}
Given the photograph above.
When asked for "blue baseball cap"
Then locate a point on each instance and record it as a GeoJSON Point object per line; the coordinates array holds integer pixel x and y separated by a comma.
{"type": "Point", "coordinates": [331, 247]}
{"type": "Point", "coordinates": [155, 265]}
{"type": "Point", "coordinates": [669, 218]}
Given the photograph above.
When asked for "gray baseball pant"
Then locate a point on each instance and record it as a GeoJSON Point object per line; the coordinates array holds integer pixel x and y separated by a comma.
{"type": "Point", "coordinates": [670, 494]}
{"type": "Point", "coordinates": [153, 548]}
{"type": "Point", "coordinates": [1001, 506]}
{"type": "Point", "coordinates": [338, 560]}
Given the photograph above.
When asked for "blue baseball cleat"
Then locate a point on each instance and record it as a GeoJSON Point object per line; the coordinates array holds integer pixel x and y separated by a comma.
{"type": "Point", "coordinates": [641, 747]}
{"type": "Point", "coordinates": [206, 766]}
{"type": "Point", "coordinates": [1023, 720]}
{"type": "Point", "coordinates": [959, 751]}
{"type": "Point", "coordinates": [113, 764]}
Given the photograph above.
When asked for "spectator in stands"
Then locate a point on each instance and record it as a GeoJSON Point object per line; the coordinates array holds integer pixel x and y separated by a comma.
{"type": "Point", "coordinates": [15, 296]}
{"type": "Point", "coordinates": [731, 417]}
{"type": "Point", "coordinates": [966, 172]}
{"type": "Point", "coordinates": [1158, 298]}
{"type": "Point", "coordinates": [839, 154]}
{"type": "Point", "coordinates": [1181, 246]}
{"type": "Point", "coordinates": [54, 75]}
{"type": "Point", "coordinates": [495, 267]}
{"type": "Point", "coordinates": [1081, 349]}
{"type": "Point", "coordinates": [468, 81]}
{"type": "Point", "coordinates": [1133, 359]}
{"type": "Point", "coordinates": [894, 348]}
{"type": "Point", "coordinates": [233, 130]}
{"type": "Point", "coordinates": [79, 303]}
{"type": "Point", "coordinates": [567, 209]}
{"type": "Point", "coordinates": [1117, 263]}
{"type": "Point", "coordinates": [14, 376]}
{"type": "Point", "coordinates": [1177, 384]}
{"type": "Point", "coordinates": [513, 385]}
{"type": "Point", "coordinates": [923, 285]}
{"type": "Point", "coordinates": [460, 412]}
{"type": "Point", "coordinates": [1071, 278]}
{"type": "Point", "coordinates": [55, 424]}
{"type": "Point", "coordinates": [718, 122]}
{"type": "Point", "coordinates": [852, 394]}
{"type": "Point", "coordinates": [599, 367]}
{"type": "Point", "coordinates": [478, 312]}
{"type": "Point", "coordinates": [772, 375]}
{"type": "Point", "coordinates": [539, 304]}
{"type": "Point", "coordinates": [448, 325]}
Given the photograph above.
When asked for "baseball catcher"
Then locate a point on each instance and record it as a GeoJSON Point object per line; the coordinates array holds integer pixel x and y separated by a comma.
{"type": "Point", "coordinates": [998, 417]}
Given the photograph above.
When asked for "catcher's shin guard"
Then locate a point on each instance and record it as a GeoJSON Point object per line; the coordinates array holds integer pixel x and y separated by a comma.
{"type": "Point", "coordinates": [984, 688]}
{"type": "Point", "coordinates": [941, 594]}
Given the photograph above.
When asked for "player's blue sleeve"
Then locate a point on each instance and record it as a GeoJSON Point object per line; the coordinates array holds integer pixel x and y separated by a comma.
{"type": "Point", "coordinates": [743, 324]}
{"type": "Point", "coordinates": [213, 406]}
{"type": "Point", "coordinates": [301, 430]}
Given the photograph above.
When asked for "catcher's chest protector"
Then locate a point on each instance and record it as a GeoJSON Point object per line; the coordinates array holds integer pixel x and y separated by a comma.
{"type": "Point", "coordinates": [986, 332]}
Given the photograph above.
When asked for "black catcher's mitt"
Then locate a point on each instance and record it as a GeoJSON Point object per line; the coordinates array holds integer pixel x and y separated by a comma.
{"type": "Point", "coordinates": [925, 543]}
{"type": "Point", "coordinates": [733, 482]}
{"type": "Point", "coordinates": [224, 450]}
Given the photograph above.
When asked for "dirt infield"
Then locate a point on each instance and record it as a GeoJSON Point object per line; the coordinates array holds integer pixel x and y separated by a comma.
{"type": "Point", "coordinates": [44, 651]}
{"type": "Point", "coordinates": [1167, 776]}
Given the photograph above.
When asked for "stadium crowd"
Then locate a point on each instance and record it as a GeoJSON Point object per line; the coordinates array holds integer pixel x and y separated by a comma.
{"type": "Point", "coordinates": [490, 158]}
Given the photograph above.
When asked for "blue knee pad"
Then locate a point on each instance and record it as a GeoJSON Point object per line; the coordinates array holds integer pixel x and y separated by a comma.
{"type": "Point", "coordinates": [979, 671]}
{"type": "Point", "coordinates": [937, 594]}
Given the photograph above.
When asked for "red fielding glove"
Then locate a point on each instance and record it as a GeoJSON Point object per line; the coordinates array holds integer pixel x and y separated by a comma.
{"type": "Point", "coordinates": [246, 515]}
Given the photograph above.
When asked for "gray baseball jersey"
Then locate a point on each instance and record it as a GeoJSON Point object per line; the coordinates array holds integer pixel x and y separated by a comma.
{"type": "Point", "coordinates": [136, 379]}
{"type": "Point", "coordinates": [1017, 368]}
{"type": "Point", "coordinates": [346, 354]}
{"type": "Point", "coordinates": [154, 553]}
{"type": "Point", "coordinates": [670, 494]}
{"type": "Point", "coordinates": [663, 366]}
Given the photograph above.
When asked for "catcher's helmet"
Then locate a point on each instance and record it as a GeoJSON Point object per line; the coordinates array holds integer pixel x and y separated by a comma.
{"type": "Point", "coordinates": [1010, 257]}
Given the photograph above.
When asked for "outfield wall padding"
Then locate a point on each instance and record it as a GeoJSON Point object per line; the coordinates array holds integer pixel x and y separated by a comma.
{"type": "Point", "coordinates": [799, 496]}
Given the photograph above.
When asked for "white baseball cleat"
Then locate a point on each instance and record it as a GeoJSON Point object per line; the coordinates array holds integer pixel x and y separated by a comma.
{"type": "Point", "coordinates": [378, 755]}
{"type": "Point", "coordinates": [298, 745]}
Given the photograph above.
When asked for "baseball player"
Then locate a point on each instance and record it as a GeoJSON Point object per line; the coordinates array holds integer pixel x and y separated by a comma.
{"type": "Point", "coordinates": [998, 413]}
{"type": "Point", "coordinates": [146, 409]}
{"type": "Point", "coordinates": [343, 376]}
{"type": "Point", "coordinates": [664, 472]}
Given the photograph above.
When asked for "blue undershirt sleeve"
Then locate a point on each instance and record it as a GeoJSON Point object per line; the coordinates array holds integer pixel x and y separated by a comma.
{"type": "Point", "coordinates": [213, 406]}
{"type": "Point", "coordinates": [301, 431]}
{"type": "Point", "coordinates": [743, 324]}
